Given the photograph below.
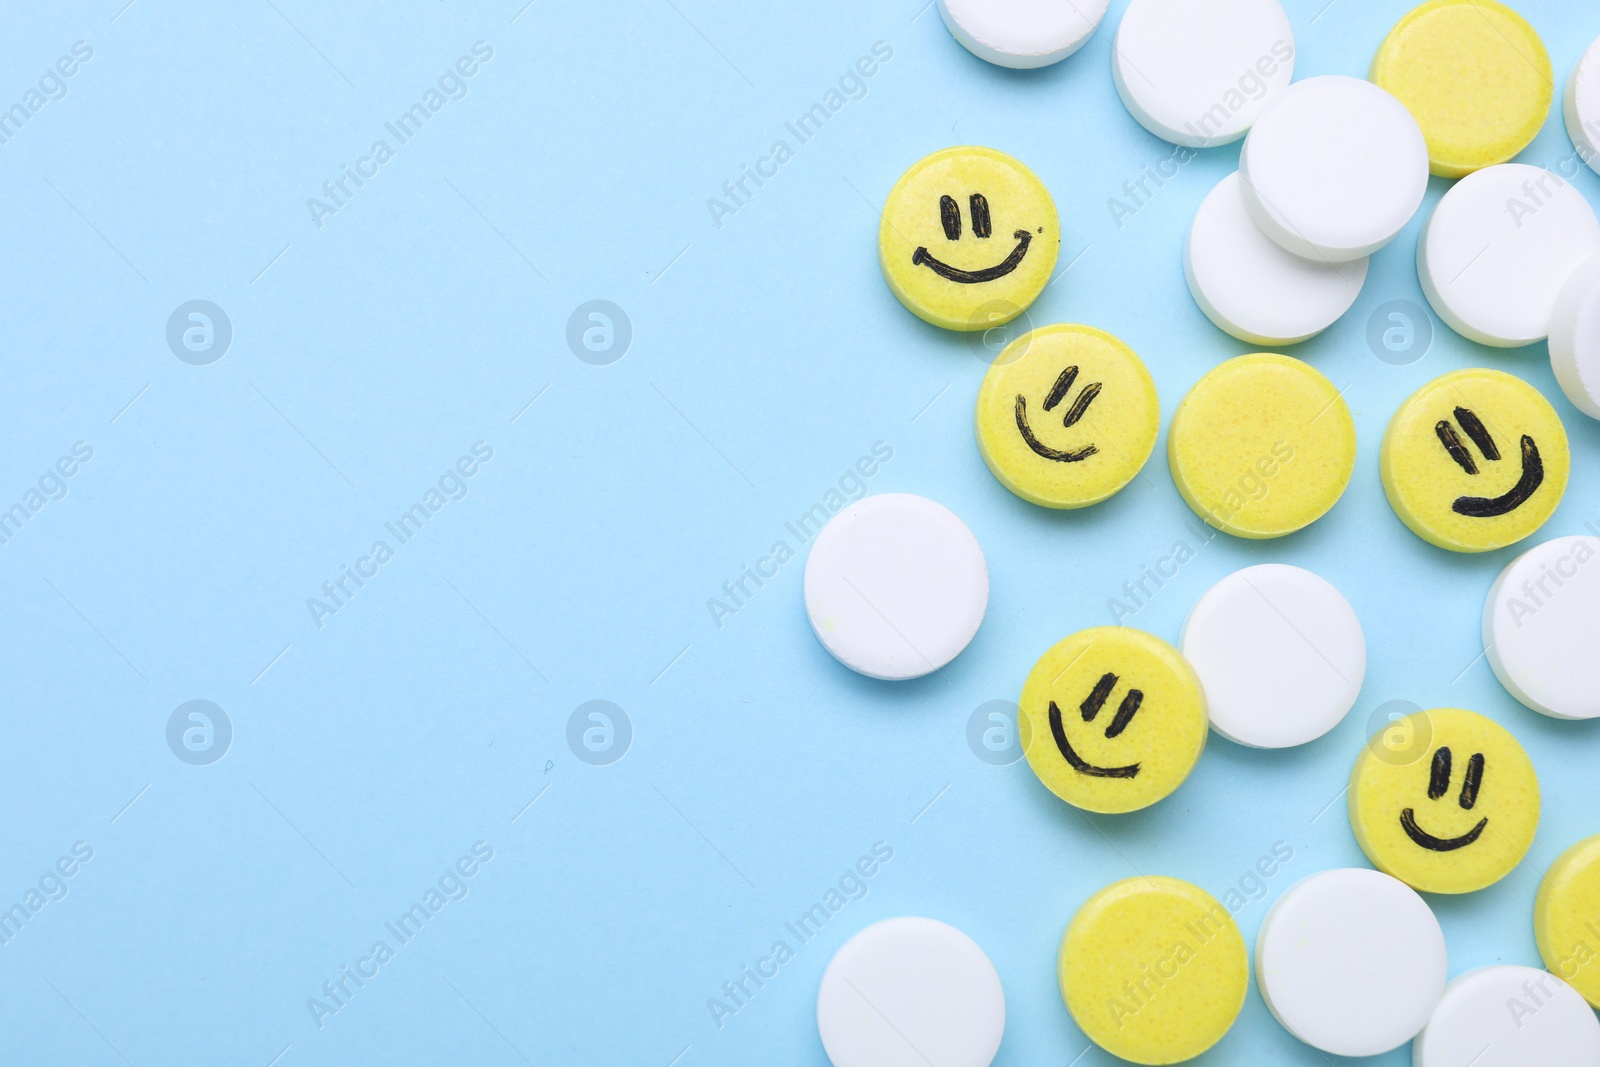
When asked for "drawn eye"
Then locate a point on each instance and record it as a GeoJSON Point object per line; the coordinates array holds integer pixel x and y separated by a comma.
{"type": "Point", "coordinates": [1479, 433]}
{"type": "Point", "coordinates": [950, 216]}
{"type": "Point", "coordinates": [980, 215]}
{"type": "Point", "coordinates": [1081, 405]}
{"type": "Point", "coordinates": [1439, 779]}
{"type": "Point", "coordinates": [1124, 715]}
{"type": "Point", "coordinates": [1097, 696]}
{"type": "Point", "coordinates": [1476, 430]}
{"type": "Point", "coordinates": [1472, 781]}
{"type": "Point", "coordinates": [1057, 391]}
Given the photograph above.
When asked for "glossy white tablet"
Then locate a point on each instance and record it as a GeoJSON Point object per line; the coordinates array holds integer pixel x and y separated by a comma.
{"type": "Point", "coordinates": [1541, 627]}
{"type": "Point", "coordinates": [1509, 1016]}
{"type": "Point", "coordinates": [1582, 106]}
{"type": "Point", "coordinates": [1022, 33]}
{"type": "Point", "coordinates": [1575, 338]}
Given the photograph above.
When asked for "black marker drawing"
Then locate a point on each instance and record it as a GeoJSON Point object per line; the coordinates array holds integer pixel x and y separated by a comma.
{"type": "Point", "coordinates": [950, 219]}
{"type": "Point", "coordinates": [1057, 393]}
{"type": "Point", "coordinates": [1439, 784]}
{"type": "Point", "coordinates": [1481, 507]}
{"type": "Point", "coordinates": [1089, 709]}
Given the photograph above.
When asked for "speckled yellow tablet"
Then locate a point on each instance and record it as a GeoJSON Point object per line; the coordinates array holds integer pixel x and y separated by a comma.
{"type": "Point", "coordinates": [1566, 918]}
{"type": "Point", "coordinates": [1454, 816]}
{"type": "Point", "coordinates": [1066, 416]}
{"type": "Point", "coordinates": [1154, 970]}
{"type": "Point", "coordinates": [1112, 719]}
{"type": "Point", "coordinates": [1262, 446]}
{"type": "Point", "coordinates": [968, 238]}
{"type": "Point", "coordinates": [1475, 76]}
{"type": "Point", "coordinates": [1475, 460]}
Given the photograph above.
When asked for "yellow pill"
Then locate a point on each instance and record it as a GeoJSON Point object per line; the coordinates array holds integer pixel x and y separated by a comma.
{"type": "Point", "coordinates": [1566, 918]}
{"type": "Point", "coordinates": [968, 238]}
{"type": "Point", "coordinates": [1066, 416]}
{"type": "Point", "coordinates": [1112, 719]}
{"type": "Point", "coordinates": [1452, 813]}
{"type": "Point", "coordinates": [1262, 446]}
{"type": "Point", "coordinates": [1154, 970]}
{"type": "Point", "coordinates": [1475, 76]}
{"type": "Point", "coordinates": [1475, 460]}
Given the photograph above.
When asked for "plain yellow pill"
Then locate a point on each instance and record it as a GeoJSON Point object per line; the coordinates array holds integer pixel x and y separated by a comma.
{"type": "Point", "coordinates": [1474, 75]}
{"type": "Point", "coordinates": [1262, 446]}
{"type": "Point", "coordinates": [1566, 918]}
{"type": "Point", "coordinates": [1475, 460]}
{"type": "Point", "coordinates": [968, 238]}
{"type": "Point", "coordinates": [1452, 812]}
{"type": "Point", "coordinates": [1154, 970]}
{"type": "Point", "coordinates": [1066, 416]}
{"type": "Point", "coordinates": [1112, 719]}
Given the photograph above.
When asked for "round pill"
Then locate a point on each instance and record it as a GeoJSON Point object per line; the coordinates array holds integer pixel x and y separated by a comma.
{"type": "Point", "coordinates": [1351, 961]}
{"type": "Point", "coordinates": [1475, 460]}
{"type": "Point", "coordinates": [1066, 416]}
{"type": "Point", "coordinates": [968, 238]}
{"type": "Point", "coordinates": [1262, 446]}
{"type": "Point", "coordinates": [1582, 106]}
{"type": "Point", "coordinates": [1112, 719]}
{"type": "Point", "coordinates": [1334, 168]}
{"type": "Point", "coordinates": [1022, 33]}
{"type": "Point", "coordinates": [1497, 250]}
{"type": "Point", "coordinates": [895, 586]}
{"type": "Point", "coordinates": [1199, 72]}
{"type": "Point", "coordinates": [1509, 1016]}
{"type": "Point", "coordinates": [908, 992]}
{"type": "Point", "coordinates": [1279, 653]}
{"type": "Point", "coordinates": [1450, 816]}
{"type": "Point", "coordinates": [1154, 970]}
{"type": "Point", "coordinates": [1476, 77]}
{"type": "Point", "coordinates": [1575, 338]}
{"type": "Point", "coordinates": [1566, 918]}
{"type": "Point", "coordinates": [1251, 287]}
{"type": "Point", "coordinates": [1541, 626]}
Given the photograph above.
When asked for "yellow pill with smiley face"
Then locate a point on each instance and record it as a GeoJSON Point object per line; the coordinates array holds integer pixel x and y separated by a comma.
{"type": "Point", "coordinates": [1475, 460]}
{"type": "Point", "coordinates": [1112, 719]}
{"type": "Point", "coordinates": [1262, 446]}
{"type": "Point", "coordinates": [968, 238]}
{"type": "Point", "coordinates": [1452, 813]}
{"type": "Point", "coordinates": [1566, 918]}
{"type": "Point", "coordinates": [1066, 416]}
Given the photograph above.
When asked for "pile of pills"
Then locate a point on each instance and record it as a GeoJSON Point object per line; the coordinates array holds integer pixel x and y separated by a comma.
{"type": "Point", "coordinates": [1332, 169]}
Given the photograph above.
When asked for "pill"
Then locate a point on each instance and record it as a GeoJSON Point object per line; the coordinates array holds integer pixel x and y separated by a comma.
{"type": "Point", "coordinates": [1582, 106]}
{"type": "Point", "coordinates": [1451, 813]}
{"type": "Point", "coordinates": [1022, 33]}
{"type": "Point", "coordinates": [1250, 287]}
{"type": "Point", "coordinates": [1262, 446]}
{"type": "Point", "coordinates": [1474, 74]}
{"type": "Point", "coordinates": [1066, 416]}
{"type": "Point", "coordinates": [1279, 652]}
{"type": "Point", "coordinates": [1199, 72]}
{"type": "Point", "coordinates": [895, 586]}
{"type": "Point", "coordinates": [1566, 918]}
{"type": "Point", "coordinates": [1112, 719]}
{"type": "Point", "coordinates": [1497, 250]}
{"type": "Point", "coordinates": [1351, 962]}
{"type": "Point", "coordinates": [907, 989]}
{"type": "Point", "coordinates": [968, 238]}
{"type": "Point", "coordinates": [1154, 970]}
{"type": "Point", "coordinates": [1475, 460]}
{"type": "Point", "coordinates": [1541, 626]}
{"type": "Point", "coordinates": [1575, 338]}
{"type": "Point", "coordinates": [1509, 1016]}
{"type": "Point", "coordinates": [1334, 168]}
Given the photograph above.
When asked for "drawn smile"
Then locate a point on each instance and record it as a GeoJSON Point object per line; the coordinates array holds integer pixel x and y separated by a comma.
{"type": "Point", "coordinates": [1438, 785]}
{"type": "Point", "coordinates": [923, 258]}
{"type": "Point", "coordinates": [1074, 413]}
{"type": "Point", "coordinates": [1408, 822]}
{"type": "Point", "coordinates": [1487, 507]}
{"type": "Point", "coordinates": [1090, 708]}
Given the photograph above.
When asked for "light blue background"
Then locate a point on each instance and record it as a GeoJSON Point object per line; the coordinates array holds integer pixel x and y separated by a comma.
{"type": "Point", "coordinates": [424, 316]}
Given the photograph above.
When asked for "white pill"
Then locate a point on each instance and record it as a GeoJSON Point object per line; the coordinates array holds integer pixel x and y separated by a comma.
{"type": "Point", "coordinates": [1022, 33]}
{"type": "Point", "coordinates": [909, 992]}
{"type": "Point", "coordinates": [1541, 627]}
{"type": "Point", "coordinates": [1351, 961]}
{"type": "Point", "coordinates": [1280, 655]}
{"type": "Point", "coordinates": [1509, 1017]}
{"type": "Point", "coordinates": [1498, 249]}
{"type": "Point", "coordinates": [896, 586]}
{"type": "Point", "coordinates": [1199, 72]}
{"type": "Point", "coordinates": [1582, 106]}
{"type": "Point", "coordinates": [1254, 289]}
{"type": "Point", "coordinates": [1575, 338]}
{"type": "Point", "coordinates": [1334, 168]}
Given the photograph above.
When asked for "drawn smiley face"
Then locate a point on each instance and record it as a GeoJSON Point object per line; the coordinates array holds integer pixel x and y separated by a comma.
{"type": "Point", "coordinates": [968, 238]}
{"type": "Point", "coordinates": [1475, 460]}
{"type": "Point", "coordinates": [1066, 416]}
{"type": "Point", "coordinates": [1456, 818]}
{"type": "Point", "coordinates": [1112, 719]}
